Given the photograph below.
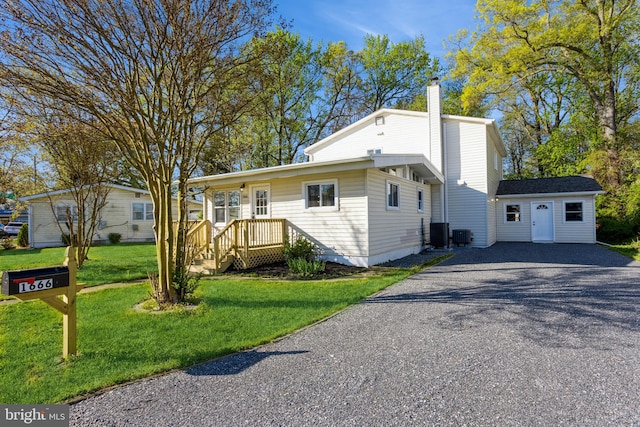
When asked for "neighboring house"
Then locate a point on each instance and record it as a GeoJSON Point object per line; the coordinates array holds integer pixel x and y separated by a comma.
{"type": "Point", "coordinates": [128, 212]}
{"type": "Point", "coordinates": [373, 191]}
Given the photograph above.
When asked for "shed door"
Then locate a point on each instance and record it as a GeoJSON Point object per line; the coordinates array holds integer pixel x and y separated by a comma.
{"type": "Point", "coordinates": [542, 222]}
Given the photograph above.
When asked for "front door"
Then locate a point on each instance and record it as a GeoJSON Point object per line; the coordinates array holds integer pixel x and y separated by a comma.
{"type": "Point", "coordinates": [260, 203]}
{"type": "Point", "coordinates": [542, 222]}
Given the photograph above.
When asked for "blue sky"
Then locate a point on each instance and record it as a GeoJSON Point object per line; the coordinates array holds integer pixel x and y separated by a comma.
{"type": "Point", "coordinates": [350, 20]}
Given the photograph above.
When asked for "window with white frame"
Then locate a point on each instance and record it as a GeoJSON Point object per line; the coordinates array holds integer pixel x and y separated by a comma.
{"type": "Point", "coordinates": [142, 211]}
{"type": "Point", "coordinates": [573, 211]}
{"type": "Point", "coordinates": [393, 195]}
{"type": "Point", "coordinates": [226, 206]}
{"type": "Point", "coordinates": [61, 212]}
{"type": "Point", "coordinates": [513, 212]}
{"type": "Point", "coordinates": [321, 194]}
{"type": "Point", "coordinates": [420, 200]}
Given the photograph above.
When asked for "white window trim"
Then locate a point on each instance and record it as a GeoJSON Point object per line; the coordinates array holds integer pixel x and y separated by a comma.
{"type": "Point", "coordinates": [72, 206]}
{"type": "Point", "coordinates": [227, 207]}
{"type": "Point", "coordinates": [504, 210]}
{"type": "Point", "coordinates": [564, 211]}
{"type": "Point", "coordinates": [144, 212]}
{"type": "Point", "coordinates": [387, 192]}
{"type": "Point", "coordinates": [336, 196]}
{"type": "Point", "coordinates": [418, 192]}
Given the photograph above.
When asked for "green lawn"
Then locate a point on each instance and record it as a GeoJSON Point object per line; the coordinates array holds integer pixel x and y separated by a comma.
{"type": "Point", "coordinates": [117, 344]}
{"type": "Point", "coordinates": [106, 264]}
{"type": "Point", "coordinates": [632, 249]}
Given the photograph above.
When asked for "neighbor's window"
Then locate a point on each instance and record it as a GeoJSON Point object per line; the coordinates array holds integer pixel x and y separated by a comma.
{"type": "Point", "coordinates": [393, 195]}
{"type": "Point", "coordinates": [513, 213]}
{"type": "Point", "coordinates": [61, 212]}
{"type": "Point", "coordinates": [573, 211]}
{"type": "Point", "coordinates": [320, 195]}
{"type": "Point", "coordinates": [420, 200]}
{"type": "Point", "coordinates": [142, 211]}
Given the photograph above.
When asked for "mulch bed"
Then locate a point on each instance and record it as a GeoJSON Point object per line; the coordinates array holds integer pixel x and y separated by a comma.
{"type": "Point", "coordinates": [281, 270]}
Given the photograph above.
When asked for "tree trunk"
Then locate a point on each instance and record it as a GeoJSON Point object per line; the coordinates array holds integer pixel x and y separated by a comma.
{"type": "Point", "coordinates": [163, 229]}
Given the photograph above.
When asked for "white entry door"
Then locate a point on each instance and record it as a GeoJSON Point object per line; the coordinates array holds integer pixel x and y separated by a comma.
{"type": "Point", "coordinates": [261, 202]}
{"type": "Point", "coordinates": [542, 222]}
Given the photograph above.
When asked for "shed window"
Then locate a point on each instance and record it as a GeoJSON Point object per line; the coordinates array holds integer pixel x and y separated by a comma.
{"type": "Point", "coordinates": [321, 194]}
{"type": "Point", "coordinates": [512, 213]}
{"type": "Point", "coordinates": [573, 211]}
{"type": "Point", "coordinates": [393, 195]}
{"type": "Point", "coordinates": [142, 211]}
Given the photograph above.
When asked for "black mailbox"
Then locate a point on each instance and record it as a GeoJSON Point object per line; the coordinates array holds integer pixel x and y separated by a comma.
{"type": "Point", "coordinates": [33, 280]}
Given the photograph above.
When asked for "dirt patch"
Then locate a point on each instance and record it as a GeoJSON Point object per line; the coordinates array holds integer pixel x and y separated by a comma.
{"type": "Point", "coordinates": [281, 270]}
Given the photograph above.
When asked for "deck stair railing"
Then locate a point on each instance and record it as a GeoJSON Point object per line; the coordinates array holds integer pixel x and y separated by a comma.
{"type": "Point", "coordinates": [244, 243]}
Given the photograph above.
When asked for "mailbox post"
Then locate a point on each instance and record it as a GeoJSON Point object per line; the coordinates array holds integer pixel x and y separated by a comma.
{"type": "Point", "coordinates": [47, 284]}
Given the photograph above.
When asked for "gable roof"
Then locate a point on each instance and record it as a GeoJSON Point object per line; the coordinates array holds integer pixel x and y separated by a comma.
{"type": "Point", "coordinates": [68, 190]}
{"type": "Point", "coordinates": [490, 124]}
{"type": "Point", "coordinates": [547, 186]}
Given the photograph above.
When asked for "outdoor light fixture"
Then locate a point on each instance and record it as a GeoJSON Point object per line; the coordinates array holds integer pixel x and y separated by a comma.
{"type": "Point", "coordinates": [242, 187]}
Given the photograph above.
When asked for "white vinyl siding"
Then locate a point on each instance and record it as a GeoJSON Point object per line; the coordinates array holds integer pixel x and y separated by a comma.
{"type": "Point", "coordinates": [564, 231]}
{"type": "Point", "coordinates": [116, 217]}
{"type": "Point", "coordinates": [467, 181]}
{"type": "Point", "coordinates": [338, 233]}
{"type": "Point", "coordinates": [395, 230]}
{"type": "Point", "coordinates": [400, 134]}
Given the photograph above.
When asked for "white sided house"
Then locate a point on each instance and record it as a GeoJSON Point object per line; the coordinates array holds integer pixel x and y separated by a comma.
{"type": "Point", "coordinates": [128, 212]}
{"type": "Point", "coordinates": [391, 184]}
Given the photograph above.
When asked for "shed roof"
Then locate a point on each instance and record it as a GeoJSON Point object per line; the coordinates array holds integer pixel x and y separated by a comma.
{"type": "Point", "coordinates": [565, 184]}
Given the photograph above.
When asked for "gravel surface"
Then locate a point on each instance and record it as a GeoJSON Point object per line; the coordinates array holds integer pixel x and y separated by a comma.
{"type": "Point", "coordinates": [517, 334]}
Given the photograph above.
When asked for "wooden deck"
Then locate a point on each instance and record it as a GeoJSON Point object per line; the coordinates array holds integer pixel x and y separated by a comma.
{"type": "Point", "coordinates": [243, 243]}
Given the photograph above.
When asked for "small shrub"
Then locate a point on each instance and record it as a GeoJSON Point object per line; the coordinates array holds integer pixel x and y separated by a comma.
{"type": "Point", "coordinates": [23, 236]}
{"type": "Point", "coordinates": [114, 238]}
{"type": "Point", "coordinates": [7, 243]}
{"type": "Point", "coordinates": [303, 267]}
{"type": "Point", "coordinates": [300, 248]}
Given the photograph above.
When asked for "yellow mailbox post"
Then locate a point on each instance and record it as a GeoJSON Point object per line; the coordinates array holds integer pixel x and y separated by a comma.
{"type": "Point", "coordinates": [48, 284]}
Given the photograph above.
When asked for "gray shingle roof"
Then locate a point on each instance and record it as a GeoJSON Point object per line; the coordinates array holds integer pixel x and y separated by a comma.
{"type": "Point", "coordinates": [565, 184]}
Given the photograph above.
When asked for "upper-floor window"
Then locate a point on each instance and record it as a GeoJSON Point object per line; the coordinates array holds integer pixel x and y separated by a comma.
{"type": "Point", "coordinates": [142, 211]}
{"type": "Point", "coordinates": [420, 200]}
{"type": "Point", "coordinates": [321, 194]}
{"type": "Point", "coordinates": [393, 195]}
{"type": "Point", "coordinates": [573, 211]}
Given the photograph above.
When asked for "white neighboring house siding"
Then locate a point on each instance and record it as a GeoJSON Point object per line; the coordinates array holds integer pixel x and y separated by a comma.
{"type": "Point", "coordinates": [467, 185]}
{"type": "Point", "coordinates": [401, 133]}
{"type": "Point", "coordinates": [395, 233]}
{"type": "Point", "coordinates": [116, 217]}
{"type": "Point", "coordinates": [494, 175]}
{"type": "Point", "coordinates": [564, 231]}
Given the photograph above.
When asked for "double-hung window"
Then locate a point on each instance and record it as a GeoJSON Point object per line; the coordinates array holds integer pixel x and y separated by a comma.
{"type": "Point", "coordinates": [513, 213]}
{"type": "Point", "coordinates": [142, 211]}
{"type": "Point", "coordinates": [226, 206]}
{"type": "Point", "coordinates": [573, 211]}
{"type": "Point", "coordinates": [61, 212]}
{"type": "Point", "coordinates": [321, 194]}
{"type": "Point", "coordinates": [393, 195]}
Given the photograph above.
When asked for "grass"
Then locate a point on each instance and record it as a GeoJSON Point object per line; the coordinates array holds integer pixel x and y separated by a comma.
{"type": "Point", "coordinates": [631, 249]}
{"type": "Point", "coordinates": [106, 264]}
{"type": "Point", "coordinates": [117, 344]}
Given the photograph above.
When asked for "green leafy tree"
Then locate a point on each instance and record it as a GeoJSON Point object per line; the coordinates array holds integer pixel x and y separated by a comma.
{"type": "Point", "coordinates": [155, 75]}
{"type": "Point", "coordinates": [394, 73]}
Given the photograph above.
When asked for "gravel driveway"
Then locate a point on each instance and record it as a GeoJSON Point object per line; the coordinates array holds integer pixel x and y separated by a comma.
{"type": "Point", "coordinates": [517, 334]}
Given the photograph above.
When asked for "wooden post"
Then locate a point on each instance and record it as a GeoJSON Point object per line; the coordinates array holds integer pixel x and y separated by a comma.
{"type": "Point", "coordinates": [69, 325]}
